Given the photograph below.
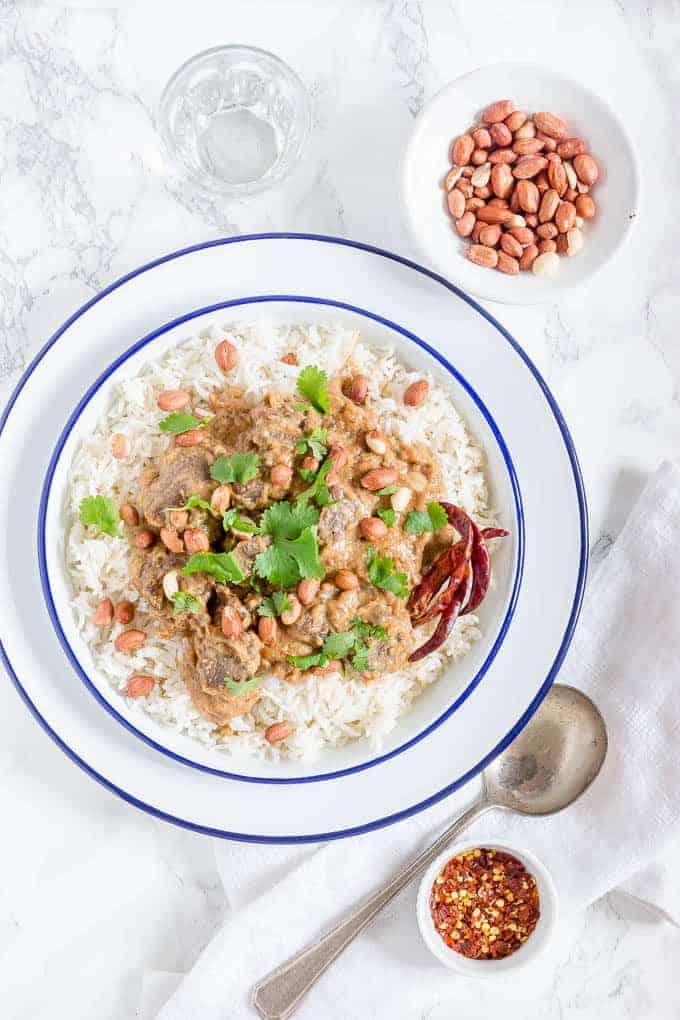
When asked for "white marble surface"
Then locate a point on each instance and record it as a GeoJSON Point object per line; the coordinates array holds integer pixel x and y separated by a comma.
{"type": "Point", "coordinates": [85, 197]}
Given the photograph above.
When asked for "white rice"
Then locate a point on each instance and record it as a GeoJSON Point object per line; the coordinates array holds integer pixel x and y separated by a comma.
{"type": "Point", "coordinates": [324, 711]}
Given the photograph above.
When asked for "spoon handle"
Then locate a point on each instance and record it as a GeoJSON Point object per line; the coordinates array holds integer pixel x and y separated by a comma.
{"type": "Point", "coordinates": [278, 994]}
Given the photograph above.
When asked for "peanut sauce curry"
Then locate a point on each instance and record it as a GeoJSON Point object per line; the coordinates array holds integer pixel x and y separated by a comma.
{"type": "Point", "coordinates": [294, 537]}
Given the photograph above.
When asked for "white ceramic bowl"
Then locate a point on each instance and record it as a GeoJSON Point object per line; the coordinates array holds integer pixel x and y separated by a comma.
{"type": "Point", "coordinates": [535, 946]}
{"type": "Point", "coordinates": [452, 111]}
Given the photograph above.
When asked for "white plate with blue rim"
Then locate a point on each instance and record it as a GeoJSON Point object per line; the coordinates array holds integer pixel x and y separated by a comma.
{"type": "Point", "coordinates": [527, 621]}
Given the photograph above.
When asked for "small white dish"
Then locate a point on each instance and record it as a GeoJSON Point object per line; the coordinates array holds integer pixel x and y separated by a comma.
{"type": "Point", "coordinates": [425, 163]}
{"type": "Point", "coordinates": [535, 946]}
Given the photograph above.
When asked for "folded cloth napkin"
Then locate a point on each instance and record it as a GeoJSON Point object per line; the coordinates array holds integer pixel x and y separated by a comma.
{"type": "Point", "coordinates": [625, 655]}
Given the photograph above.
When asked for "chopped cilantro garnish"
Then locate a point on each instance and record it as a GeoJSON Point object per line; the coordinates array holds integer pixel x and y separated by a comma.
{"type": "Point", "coordinates": [240, 468]}
{"type": "Point", "coordinates": [232, 519]}
{"type": "Point", "coordinates": [318, 490]}
{"type": "Point", "coordinates": [387, 491]}
{"type": "Point", "coordinates": [179, 422]}
{"type": "Point", "coordinates": [305, 662]}
{"type": "Point", "coordinates": [242, 686]}
{"type": "Point", "coordinates": [294, 552]}
{"type": "Point", "coordinates": [381, 574]}
{"type": "Point", "coordinates": [101, 513]}
{"type": "Point", "coordinates": [352, 644]}
{"type": "Point", "coordinates": [183, 602]}
{"type": "Point", "coordinates": [276, 604]}
{"type": "Point", "coordinates": [194, 502]}
{"type": "Point", "coordinates": [314, 442]}
{"type": "Point", "coordinates": [302, 408]}
{"type": "Point", "coordinates": [388, 515]}
{"type": "Point", "coordinates": [313, 384]}
{"type": "Point", "coordinates": [432, 519]}
{"type": "Point", "coordinates": [306, 475]}
{"type": "Point", "coordinates": [222, 566]}
{"type": "Point", "coordinates": [337, 646]}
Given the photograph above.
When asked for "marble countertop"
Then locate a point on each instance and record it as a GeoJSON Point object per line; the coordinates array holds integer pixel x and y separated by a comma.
{"type": "Point", "coordinates": [85, 196]}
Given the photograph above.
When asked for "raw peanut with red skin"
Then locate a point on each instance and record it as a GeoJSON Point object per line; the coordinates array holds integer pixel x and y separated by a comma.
{"type": "Point", "coordinates": [129, 515]}
{"type": "Point", "coordinates": [511, 246]}
{"type": "Point", "coordinates": [456, 203]}
{"type": "Point", "coordinates": [549, 124]}
{"type": "Point", "coordinates": [484, 192]}
{"type": "Point", "coordinates": [172, 400]}
{"type": "Point", "coordinates": [546, 246]}
{"type": "Point", "coordinates": [292, 615]}
{"type": "Point", "coordinates": [515, 120]}
{"type": "Point", "coordinates": [514, 201]}
{"type": "Point", "coordinates": [281, 475]}
{"type": "Point", "coordinates": [144, 539]}
{"type": "Point", "coordinates": [462, 149]}
{"type": "Point", "coordinates": [562, 245]}
{"type": "Point", "coordinates": [494, 214]}
{"type": "Point", "coordinates": [346, 580]}
{"type": "Point", "coordinates": [171, 540]}
{"type": "Point", "coordinates": [465, 224]}
{"type": "Point", "coordinates": [586, 169]}
{"type": "Point", "coordinates": [231, 623]}
{"type": "Point", "coordinates": [570, 195]}
{"type": "Point", "coordinates": [526, 130]}
{"type": "Point", "coordinates": [483, 256]}
{"type": "Point", "coordinates": [527, 146]}
{"type": "Point", "coordinates": [557, 178]}
{"type": "Point", "coordinates": [490, 234]}
{"type": "Point", "coordinates": [277, 731]}
{"type": "Point", "coordinates": [226, 356]}
{"type": "Point", "coordinates": [565, 217]}
{"type": "Point", "coordinates": [571, 147]}
{"type": "Point", "coordinates": [549, 143]}
{"type": "Point", "coordinates": [548, 206]}
{"type": "Point", "coordinates": [529, 166]}
{"type": "Point", "coordinates": [482, 138]}
{"type": "Point", "coordinates": [103, 614]}
{"type": "Point", "coordinates": [415, 395]}
{"type": "Point", "coordinates": [498, 203]}
{"type": "Point", "coordinates": [476, 231]}
{"type": "Point", "coordinates": [120, 446]}
{"type": "Point", "coordinates": [372, 528]}
{"type": "Point", "coordinates": [585, 207]}
{"type": "Point", "coordinates": [196, 540]}
{"type": "Point", "coordinates": [140, 685]}
{"type": "Point", "coordinates": [503, 156]}
{"type": "Point", "coordinates": [125, 612]}
{"type": "Point", "coordinates": [378, 478]}
{"type": "Point", "coordinates": [129, 641]}
{"type": "Point", "coordinates": [478, 157]}
{"type": "Point", "coordinates": [498, 111]}
{"type": "Point", "coordinates": [358, 389]}
{"type": "Point", "coordinates": [290, 358]}
{"type": "Point", "coordinates": [309, 464]}
{"type": "Point", "coordinates": [507, 264]}
{"type": "Point", "coordinates": [501, 134]}
{"type": "Point", "coordinates": [220, 501]}
{"type": "Point", "coordinates": [528, 256]}
{"type": "Point", "coordinates": [546, 231]}
{"type": "Point", "coordinates": [522, 234]}
{"type": "Point", "coordinates": [541, 182]}
{"type": "Point", "coordinates": [528, 196]}
{"type": "Point", "coordinates": [502, 181]}
{"type": "Point", "coordinates": [532, 220]}
{"type": "Point", "coordinates": [307, 590]}
{"type": "Point", "coordinates": [473, 204]}
{"type": "Point", "coordinates": [191, 438]}
{"type": "Point", "coordinates": [267, 630]}
{"type": "Point", "coordinates": [464, 186]}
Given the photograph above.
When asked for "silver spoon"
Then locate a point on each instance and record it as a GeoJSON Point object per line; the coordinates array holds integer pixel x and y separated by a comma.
{"type": "Point", "coordinates": [552, 761]}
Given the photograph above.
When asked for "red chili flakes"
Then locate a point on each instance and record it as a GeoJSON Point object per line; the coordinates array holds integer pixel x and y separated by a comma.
{"type": "Point", "coordinates": [484, 904]}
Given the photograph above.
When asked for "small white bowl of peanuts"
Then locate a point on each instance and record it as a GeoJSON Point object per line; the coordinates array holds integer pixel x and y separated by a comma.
{"type": "Point", "coordinates": [518, 182]}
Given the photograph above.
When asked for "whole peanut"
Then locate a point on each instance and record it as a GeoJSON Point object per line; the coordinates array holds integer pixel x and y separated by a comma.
{"type": "Point", "coordinates": [416, 394]}
{"type": "Point", "coordinates": [490, 235]}
{"type": "Point", "coordinates": [226, 356]}
{"type": "Point", "coordinates": [511, 246]}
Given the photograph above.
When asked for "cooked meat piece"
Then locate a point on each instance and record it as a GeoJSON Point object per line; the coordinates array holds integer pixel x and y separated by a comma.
{"type": "Point", "coordinates": [253, 495]}
{"type": "Point", "coordinates": [391, 613]}
{"type": "Point", "coordinates": [210, 659]}
{"type": "Point", "coordinates": [276, 427]}
{"type": "Point", "coordinates": [313, 627]}
{"type": "Point", "coordinates": [149, 567]}
{"type": "Point", "coordinates": [343, 609]}
{"type": "Point", "coordinates": [246, 551]}
{"type": "Point", "coordinates": [181, 472]}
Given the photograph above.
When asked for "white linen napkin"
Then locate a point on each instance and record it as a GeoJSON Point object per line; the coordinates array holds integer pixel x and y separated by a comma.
{"type": "Point", "coordinates": [625, 655]}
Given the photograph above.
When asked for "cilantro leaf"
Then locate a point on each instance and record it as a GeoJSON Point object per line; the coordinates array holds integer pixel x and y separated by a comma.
{"type": "Point", "coordinates": [222, 566]}
{"type": "Point", "coordinates": [352, 644]}
{"type": "Point", "coordinates": [194, 502]}
{"type": "Point", "coordinates": [318, 490]}
{"type": "Point", "coordinates": [240, 468]}
{"type": "Point", "coordinates": [178, 422]}
{"type": "Point", "coordinates": [239, 687]}
{"type": "Point", "coordinates": [294, 552]}
{"type": "Point", "coordinates": [305, 662]}
{"type": "Point", "coordinates": [381, 574]}
{"type": "Point", "coordinates": [281, 520]}
{"type": "Point", "coordinates": [101, 513]}
{"type": "Point", "coordinates": [431, 520]}
{"type": "Point", "coordinates": [274, 605]}
{"type": "Point", "coordinates": [388, 515]}
{"type": "Point", "coordinates": [387, 491]}
{"type": "Point", "coordinates": [233, 519]}
{"type": "Point", "coordinates": [313, 384]}
{"type": "Point", "coordinates": [337, 646]}
{"type": "Point", "coordinates": [306, 475]}
{"type": "Point", "coordinates": [316, 442]}
{"type": "Point", "coordinates": [183, 602]}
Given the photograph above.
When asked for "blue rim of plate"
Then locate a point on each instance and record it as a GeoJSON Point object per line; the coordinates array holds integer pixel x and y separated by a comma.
{"type": "Point", "coordinates": [571, 623]}
{"type": "Point", "coordinates": [149, 338]}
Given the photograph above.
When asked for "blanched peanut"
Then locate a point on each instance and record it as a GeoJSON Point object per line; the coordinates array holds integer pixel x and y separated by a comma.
{"type": "Point", "coordinates": [277, 731]}
{"type": "Point", "coordinates": [307, 590]}
{"type": "Point", "coordinates": [172, 400]}
{"type": "Point", "coordinates": [379, 478]}
{"type": "Point", "coordinates": [143, 539]}
{"type": "Point", "coordinates": [139, 685]}
{"type": "Point", "coordinates": [196, 540]}
{"type": "Point", "coordinates": [372, 528]}
{"type": "Point", "coordinates": [120, 446]}
{"type": "Point", "coordinates": [346, 580]}
{"type": "Point", "coordinates": [417, 393]}
{"type": "Point", "coordinates": [293, 614]}
{"type": "Point", "coordinates": [129, 641]}
{"type": "Point", "coordinates": [171, 540]}
{"type": "Point", "coordinates": [281, 476]}
{"type": "Point", "coordinates": [230, 622]}
{"type": "Point", "coordinates": [401, 499]}
{"type": "Point", "coordinates": [103, 614]}
{"type": "Point", "coordinates": [170, 584]}
{"type": "Point", "coordinates": [417, 481]}
{"type": "Point", "coordinates": [358, 389]}
{"type": "Point", "coordinates": [125, 612]}
{"type": "Point", "coordinates": [547, 263]}
{"type": "Point", "coordinates": [191, 438]}
{"type": "Point", "coordinates": [129, 515]}
{"type": "Point", "coordinates": [376, 441]}
{"type": "Point", "coordinates": [221, 498]}
{"type": "Point", "coordinates": [226, 356]}
{"type": "Point", "coordinates": [267, 629]}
